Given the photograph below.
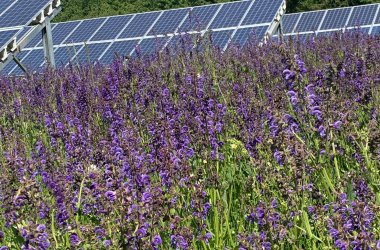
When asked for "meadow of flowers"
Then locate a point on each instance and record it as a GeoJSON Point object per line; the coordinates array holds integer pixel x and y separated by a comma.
{"type": "Point", "coordinates": [262, 147]}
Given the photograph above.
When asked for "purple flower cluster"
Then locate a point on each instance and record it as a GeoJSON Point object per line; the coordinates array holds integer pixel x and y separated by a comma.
{"type": "Point", "coordinates": [260, 147]}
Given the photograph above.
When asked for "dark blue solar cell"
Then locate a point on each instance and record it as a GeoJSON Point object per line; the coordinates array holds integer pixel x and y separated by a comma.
{"type": "Point", "coordinates": [62, 30]}
{"type": "Point", "coordinates": [199, 18]}
{"type": "Point", "coordinates": [230, 15]}
{"type": "Point", "coordinates": [309, 21]}
{"type": "Point", "coordinates": [123, 48]}
{"type": "Point", "coordinates": [111, 28]}
{"type": "Point", "coordinates": [7, 36]}
{"type": "Point", "coordinates": [262, 11]}
{"type": "Point", "coordinates": [22, 12]}
{"type": "Point", "coordinates": [289, 22]}
{"type": "Point", "coordinates": [149, 46]}
{"type": "Point", "coordinates": [336, 19]}
{"type": "Point", "coordinates": [375, 30]}
{"type": "Point", "coordinates": [362, 15]}
{"type": "Point", "coordinates": [169, 22]}
{"type": "Point", "coordinates": [254, 34]}
{"type": "Point", "coordinates": [85, 30]}
{"type": "Point", "coordinates": [140, 25]}
{"type": "Point", "coordinates": [90, 53]}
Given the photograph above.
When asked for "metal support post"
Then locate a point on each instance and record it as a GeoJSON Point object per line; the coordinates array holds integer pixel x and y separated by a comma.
{"type": "Point", "coordinates": [47, 40]}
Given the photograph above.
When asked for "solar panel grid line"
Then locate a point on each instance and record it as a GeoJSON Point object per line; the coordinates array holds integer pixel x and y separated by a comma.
{"type": "Point", "coordinates": [72, 30]}
{"type": "Point", "coordinates": [177, 29]}
{"type": "Point", "coordinates": [374, 19]}
{"type": "Point", "coordinates": [240, 23]}
{"type": "Point", "coordinates": [117, 36]}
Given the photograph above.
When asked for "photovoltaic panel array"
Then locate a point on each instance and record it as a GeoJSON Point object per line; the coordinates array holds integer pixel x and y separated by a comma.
{"type": "Point", "coordinates": [325, 22]}
{"type": "Point", "coordinates": [16, 20]}
{"type": "Point", "coordinates": [100, 39]}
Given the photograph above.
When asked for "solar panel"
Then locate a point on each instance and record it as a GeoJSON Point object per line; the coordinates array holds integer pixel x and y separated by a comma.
{"type": "Point", "coordinates": [140, 25]}
{"type": "Point", "coordinates": [111, 28]}
{"type": "Point", "coordinates": [309, 21]}
{"type": "Point", "coordinates": [199, 18]}
{"type": "Point", "coordinates": [104, 37]}
{"type": "Point", "coordinates": [7, 35]}
{"type": "Point", "coordinates": [262, 11]}
{"type": "Point", "coordinates": [289, 22]}
{"type": "Point", "coordinates": [169, 21]}
{"type": "Point", "coordinates": [336, 19]}
{"type": "Point", "coordinates": [326, 22]}
{"type": "Point", "coordinates": [85, 30]}
{"type": "Point", "coordinates": [230, 14]}
{"type": "Point", "coordinates": [242, 36]}
{"type": "Point", "coordinates": [63, 30]}
{"type": "Point", "coordinates": [22, 12]}
{"type": "Point", "coordinates": [123, 48]}
{"type": "Point", "coordinates": [362, 15]}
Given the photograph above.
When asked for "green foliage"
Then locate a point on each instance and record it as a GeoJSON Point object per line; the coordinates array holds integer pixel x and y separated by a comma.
{"type": "Point", "coordinates": [80, 9]}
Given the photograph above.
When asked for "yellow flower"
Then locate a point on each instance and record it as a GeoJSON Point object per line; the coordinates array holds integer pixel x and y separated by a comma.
{"type": "Point", "coordinates": [204, 161]}
{"type": "Point", "coordinates": [234, 146]}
